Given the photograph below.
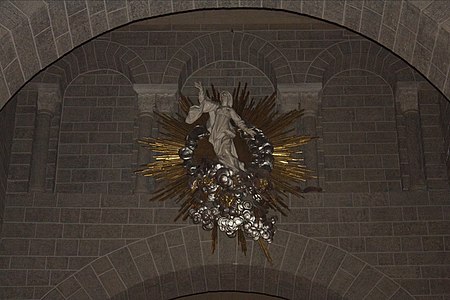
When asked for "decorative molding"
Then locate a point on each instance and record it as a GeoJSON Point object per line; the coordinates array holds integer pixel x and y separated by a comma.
{"type": "Point", "coordinates": [406, 93]}
{"type": "Point", "coordinates": [151, 97]}
{"type": "Point", "coordinates": [49, 97]}
{"type": "Point", "coordinates": [305, 95]}
{"type": "Point", "coordinates": [146, 103]}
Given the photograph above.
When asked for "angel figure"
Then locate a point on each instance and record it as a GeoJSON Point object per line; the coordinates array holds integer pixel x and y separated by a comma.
{"type": "Point", "coordinates": [219, 126]}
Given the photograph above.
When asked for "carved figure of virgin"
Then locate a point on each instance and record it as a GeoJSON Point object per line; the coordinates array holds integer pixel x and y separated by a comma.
{"type": "Point", "coordinates": [219, 126]}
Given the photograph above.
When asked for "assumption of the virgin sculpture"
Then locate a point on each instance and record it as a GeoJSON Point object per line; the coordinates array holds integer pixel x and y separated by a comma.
{"type": "Point", "coordinates": [221, 131]}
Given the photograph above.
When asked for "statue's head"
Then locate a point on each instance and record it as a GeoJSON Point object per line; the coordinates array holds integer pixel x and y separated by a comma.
{"type": "Point", "coordinates": [226, 99]}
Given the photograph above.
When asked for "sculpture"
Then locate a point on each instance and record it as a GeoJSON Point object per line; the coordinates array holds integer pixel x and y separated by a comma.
{"type": "Point", "coordinates": [223, 195]}
{"type": "Point", "coordinates": [221, 131]}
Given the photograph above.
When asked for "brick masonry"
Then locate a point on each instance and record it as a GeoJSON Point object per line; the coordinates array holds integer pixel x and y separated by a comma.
{"type": "Point", "coordinates": [47, 237]}
{"type": "Point", "coordinates": [96, 152]}
{"type": "Point", "coordinates": [44, 32]}
{"type": "Point", "coordinates": [227, 75]}
{"type": "Point", "coordinates": [19, 166]}
{"type": "Point", "coordinates": [7, 119]}
{"type": "Point", "coordinates": [89, 210]}
{"type": "Point", "coordinates": [360, 150]}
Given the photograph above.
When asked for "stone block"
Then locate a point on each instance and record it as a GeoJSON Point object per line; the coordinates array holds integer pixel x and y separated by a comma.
{"type": "Point", "coordinates": [90, 215]}
{"type": "Point", "coordinates": [323, 214]}
{"type": "Point", "coordinates": [73, 161]}
{"type": "Point", "coordinates": [367, 161]}
{"type": "Point", "coordinates": [66, 247]}
{"type": "Point", "coordinates": [119, 201]}
{"type": "Point", "coordinates": [79, 27]}
{"type": "Point", "coordinates": [344, 229]}
{"type": "Point", "coordinates": [439, 227]}
{"type": "Point", "coordinates": [101, 162]}
{"type": "Point", "coordinates": [430, 212]}
{"type": "Point", "coordinates": [101, 265]}
{"type": "Point", "coordinates": [42, 247]}
{"type": "Point", "coordinates": [119, 188]}
{"type": "Point", "coordinates": [14, 246]}
{"type": "Point", "coordinates": [383, 244]}
{"type": "Point", "coordinates": [410, 228]}
{"type": "Point", "coordinates": [78, 200]}
{"type": "Point", "coordinates": [100, 114]}
{"type": "Point", "coordinates": [114, 216]}
{"type": "Point", "coordinates": [46, 47]}
{"type": "Point", "coordinates": [105, 137]}
{"type": "Point", "coordinates": [49, 230]}
{"type": "Point", "coordinates": [376, 229]}
{"type": "Point", "coordinates": [90, 283]}
{"type": "Point", "coordinates": [72, 231]}
{"type": "Point", "coordinates": [18, 262]}
{"type": "Point", "coordinates": [102, 231]}
{"type": "Point", "coordinates": [56, 262]}
{"type": "Point", "coordinates": [22, 230]}
{"type": "Point", "coordinates": [94, 149]}
{"type": "Point", "coordinates": [75, 114]}
{"type": "Point", "coordinates": [13, 277]}
{"type": "Point", "coordinates": [42, 215]}
{"type": "Point", "coordinates": [352, 244]}
{"type": "Point", "coordinates": [87, 175]}
{"type": "Point", "coordinates": [433, 243]}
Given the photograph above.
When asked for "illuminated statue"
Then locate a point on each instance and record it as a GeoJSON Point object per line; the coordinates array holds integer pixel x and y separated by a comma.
{"type": "Point", "coordinates": [219, 126]}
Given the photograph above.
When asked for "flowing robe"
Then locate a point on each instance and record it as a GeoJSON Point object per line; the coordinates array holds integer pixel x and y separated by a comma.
{"type": "Point", "coordinates": [220, 129]}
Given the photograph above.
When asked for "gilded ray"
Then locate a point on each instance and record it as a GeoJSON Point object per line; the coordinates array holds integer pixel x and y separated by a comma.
{"type": "Point", "coordinates": [170, 174]}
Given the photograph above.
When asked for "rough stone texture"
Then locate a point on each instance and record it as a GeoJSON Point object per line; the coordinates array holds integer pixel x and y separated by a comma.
{"type": "Point", "coordinates": [148, 282]}
{"type": "Point", "coordinates": [96, 146]}
{"type": "Point", "coordinates": [445, 127]}
{"type": "Point", "coordinates": [227, 75]}
{"type": "Point", "coordinates": [94, 238]}
{"type": "Point", "coordinates": [408, 28]}
{"type": "Point", "coordinates": [7, 119]}
{"type": "Point", "coordinates": [402, 234]}
{"type": "Point", "coordinates": [359, 134]}
{"type": "Point", "coordinates": [19, 167]}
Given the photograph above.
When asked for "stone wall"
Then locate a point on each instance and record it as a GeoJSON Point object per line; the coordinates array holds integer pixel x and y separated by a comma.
{"type": "Point", "coordinates": [445, 125]}
{"type": "Point", "coordinates": [359, 134]}
{"type": "Point", "coordinates": [7, 119]}
{"type": "Point", "coordinates": [22, 146]}
{"type": "Point", "coordinates": [227, 75]}
{"type": "Point", "coordinates": [89, 208]}
{"type": "Point", "coordinates": [47, 237]}
{"type": "Point", "coordinates": [95, 152]}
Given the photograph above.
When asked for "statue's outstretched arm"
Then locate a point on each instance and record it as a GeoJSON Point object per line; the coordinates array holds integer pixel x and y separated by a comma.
{"type": "Point", "coordinates": [240, 123]}
{"type": "Point", "coordinates": [201, 93]}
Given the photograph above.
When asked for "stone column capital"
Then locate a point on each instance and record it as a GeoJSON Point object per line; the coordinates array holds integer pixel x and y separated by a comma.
{"type": "Point", "coordinates": [49, 97]}
{"type": "Point", "coordinates": [306, 94]}
{"type": "Point", "coordinates": [159, 97]}
{"type": "Point", "coordinates": [406, 93]}
{"type": "Point", "coordinates": [288, 97]}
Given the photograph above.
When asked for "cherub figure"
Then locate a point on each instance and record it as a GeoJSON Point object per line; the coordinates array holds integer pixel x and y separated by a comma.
{"type": "Point", "coordinates": [219, 126]}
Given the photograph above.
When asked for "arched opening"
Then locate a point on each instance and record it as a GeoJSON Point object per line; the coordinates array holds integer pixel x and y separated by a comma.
{"type": "Point", "coordinates": [66, 242]}
{"type": "Point", "coordinates": [178, 264]}
{"type": "Point", "coordinates": [228, 295]}
{"type": "Point", "coordinates": [414, 41]}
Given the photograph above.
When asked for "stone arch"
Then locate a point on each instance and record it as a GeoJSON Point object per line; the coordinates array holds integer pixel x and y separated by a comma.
{"type": "Point", "coordinates": [220, 46]}
{"type": "Point", "coordinates": [359, 54]}
{"type": "Point", "coordinates": [178, 263]}
{"type": "Point", "coordinates": [42, 32]}
{"type": "Point", "coordinates": [93, 56]}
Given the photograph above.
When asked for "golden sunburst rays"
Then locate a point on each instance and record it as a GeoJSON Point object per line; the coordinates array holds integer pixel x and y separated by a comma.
{"type": "Point", "coordinates": [289, 168]}
{"type": "Point", "coordinates": [274, 187]}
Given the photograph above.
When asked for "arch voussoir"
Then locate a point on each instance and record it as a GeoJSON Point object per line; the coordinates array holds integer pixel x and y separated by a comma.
{"type": "Point", "coordinates": [219, 46]}
{"type": "Point", "coordinates": [178, 263]}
